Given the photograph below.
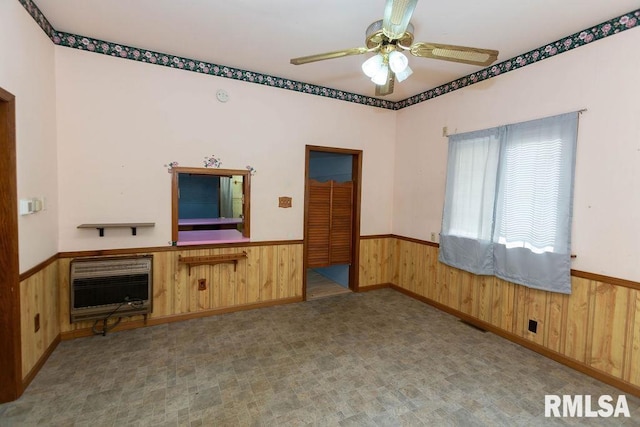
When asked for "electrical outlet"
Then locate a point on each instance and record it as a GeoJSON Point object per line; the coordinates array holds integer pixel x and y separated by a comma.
{"type": "Point", "coordinates": [533, 326]}
{"type": "Point", "coordinates": [202, 284]}
{"type": "Point", "coordinates": [433, 236]}
{"type": "Point", "coordinates": [36, 323]}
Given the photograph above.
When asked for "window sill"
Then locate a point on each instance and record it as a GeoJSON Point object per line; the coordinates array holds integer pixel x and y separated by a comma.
{"type": "Point", "coordinates": [209, 237]}
{"type": "Point", "coordinates": [209, 221]}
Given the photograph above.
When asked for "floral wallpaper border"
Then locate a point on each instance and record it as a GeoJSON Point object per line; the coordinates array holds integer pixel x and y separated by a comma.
{"type": "Point", "coordinates": [38, 16]}
{"type": "Point", "coordinates": [581, 38]}
{"type": "Point", "coordinates": [605, 29]}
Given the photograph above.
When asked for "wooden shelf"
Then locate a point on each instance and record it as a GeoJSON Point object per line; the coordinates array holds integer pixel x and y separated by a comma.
{"type": "Point", "coordinates": [132, 225]}
{"type": "Point", "coordinates": [193, 261]}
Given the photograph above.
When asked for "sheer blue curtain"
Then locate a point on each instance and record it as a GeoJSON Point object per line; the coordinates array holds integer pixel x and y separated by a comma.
{"type": "Point", "coordinates": [467, 223]}
{"type": "Point", "coordinates": [508, 202]}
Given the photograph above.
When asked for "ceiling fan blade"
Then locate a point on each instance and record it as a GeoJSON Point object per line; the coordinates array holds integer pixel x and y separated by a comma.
{"type": "Point", "coordinates": [397, 14]}
{"type": "Point", "coordinates": [466, 55]}
{"type": "Point", "coordinates": [387, 88]}
{"type": "Point", "coordinates": [329, 55]}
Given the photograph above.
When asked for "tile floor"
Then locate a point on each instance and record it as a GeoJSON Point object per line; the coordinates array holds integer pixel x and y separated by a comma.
{"type": "Point", "coordinates": [372, 359]}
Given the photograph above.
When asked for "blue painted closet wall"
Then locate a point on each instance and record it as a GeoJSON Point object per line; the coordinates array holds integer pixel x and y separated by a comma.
{"type": "Point", "coordinates": [199, 196]}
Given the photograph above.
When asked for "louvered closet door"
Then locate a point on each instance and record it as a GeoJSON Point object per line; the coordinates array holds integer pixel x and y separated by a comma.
{"type": "Point", "coordinates": [319, 216]}
{"type": "Point", "coordinates": [341, 215]}
{"type": "Point", "coordinates": [329, 223]}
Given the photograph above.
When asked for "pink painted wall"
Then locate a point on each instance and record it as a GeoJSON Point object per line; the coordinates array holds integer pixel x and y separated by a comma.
{"type": "Point", "coordinates": [94, 133]}
{"type": "Point", "coordinates": [27, 71]}
{"type": "Point", "coordinates": [120, 121]}
{"type": "Point", "coordinates": [601, 77]}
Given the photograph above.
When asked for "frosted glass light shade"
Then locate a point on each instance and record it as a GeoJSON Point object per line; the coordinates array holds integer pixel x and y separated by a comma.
{"type": "Point", "coordinates": [372, 66]}
{"type": "Point", "coordinates": [397, 14]}
{"type": "Point", "coordinates": [401, 76]}
{"type": "Point", "coordinates": [381, 76]}
{"type": "Point", "coordinates": [398, 62]}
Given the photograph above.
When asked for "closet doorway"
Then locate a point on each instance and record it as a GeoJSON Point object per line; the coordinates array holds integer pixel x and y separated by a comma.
{"type": "Point", "coordinates": [331, 221]}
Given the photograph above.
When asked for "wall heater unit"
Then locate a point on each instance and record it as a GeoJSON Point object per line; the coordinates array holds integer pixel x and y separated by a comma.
{"type": "Point", "coordinates": [110, 286]}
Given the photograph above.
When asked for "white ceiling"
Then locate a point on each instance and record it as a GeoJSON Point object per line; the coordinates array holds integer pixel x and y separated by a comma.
{"type": "Point", "coordinates": [262, 36]}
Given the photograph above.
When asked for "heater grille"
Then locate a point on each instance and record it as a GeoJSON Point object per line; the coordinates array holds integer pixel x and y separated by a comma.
{"type": "Point", "coordinates": [116, 286]}
{"type": "Point", "coordinates": [115, 267]}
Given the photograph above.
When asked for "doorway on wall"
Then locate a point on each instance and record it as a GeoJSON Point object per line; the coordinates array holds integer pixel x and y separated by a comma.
{"type": "Point", "coordinates": [331, 221]}
{"type": "Point", "coordinates": [10, 347]}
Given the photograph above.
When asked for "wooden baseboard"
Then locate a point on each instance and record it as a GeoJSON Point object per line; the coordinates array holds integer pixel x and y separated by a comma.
{"type": "Point", "coordinates": [87, 332]}
{"type": "Point", "coordinates": [374, 287]}
{"type": "Point", "coordinates": [34, 371]}
{"type": "Point", "coordinates": [560, 358]}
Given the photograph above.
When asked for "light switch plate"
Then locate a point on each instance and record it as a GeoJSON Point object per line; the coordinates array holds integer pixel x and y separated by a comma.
{"type": "Point", "coordinates": [26, 207]}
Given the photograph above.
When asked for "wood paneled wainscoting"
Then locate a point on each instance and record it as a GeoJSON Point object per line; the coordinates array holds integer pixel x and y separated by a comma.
{"type": "Point", "coordinates": [377, 261]}
{"type": "Point", "coordinates": [595, 330]}
{"type": "Point", "coordinates": [39, 322]}
{"type": "Point", "coordinates": [270, 274]}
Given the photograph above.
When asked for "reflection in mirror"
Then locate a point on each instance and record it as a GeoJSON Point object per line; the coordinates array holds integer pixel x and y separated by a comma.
{"type": "Point", "coordinates": [208, 205]}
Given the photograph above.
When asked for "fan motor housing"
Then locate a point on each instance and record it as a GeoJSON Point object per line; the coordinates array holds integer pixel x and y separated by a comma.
{"type": "Point", "coordinates": [375, 36]}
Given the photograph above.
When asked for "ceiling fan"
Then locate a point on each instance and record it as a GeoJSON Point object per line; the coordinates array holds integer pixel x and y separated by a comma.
{"type": "Point", "coordinates": [392, 35]}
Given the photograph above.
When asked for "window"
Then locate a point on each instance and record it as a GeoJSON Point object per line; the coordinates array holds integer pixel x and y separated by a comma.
{"type": "Point", "coordinates": [508, 202]}
{"type": "Point", "coordinates": [210, 206]}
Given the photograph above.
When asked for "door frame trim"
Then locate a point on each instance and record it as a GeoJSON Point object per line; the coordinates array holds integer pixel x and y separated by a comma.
{"type": "Point", "coordinates": [10, 335]}
{"type": "Point", "coordinates": [356, 175]}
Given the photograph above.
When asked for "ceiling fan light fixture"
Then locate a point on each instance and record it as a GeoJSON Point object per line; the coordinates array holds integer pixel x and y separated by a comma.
{"type": "Point", "coordinates": [381, 76]}
{"type": "Point", "coordinates": [396, 17]}
{"type": "Point", "coordinates": [398, 62]}
{"type": "Point", "coordinates": [389, 37]}
{"type": "Point", "coordinates": [402, 75]}
{"type": "Point", "coordinates": [372, 66]}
